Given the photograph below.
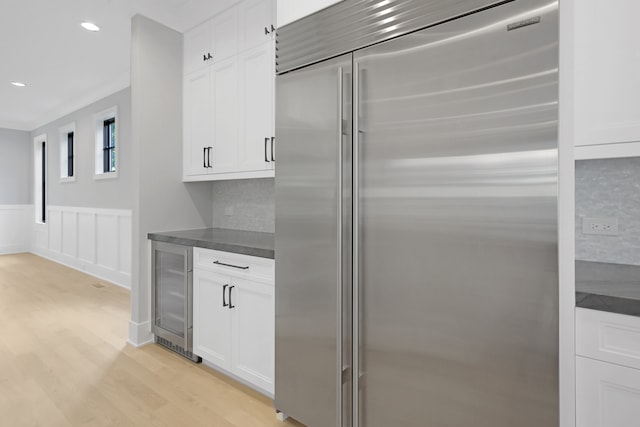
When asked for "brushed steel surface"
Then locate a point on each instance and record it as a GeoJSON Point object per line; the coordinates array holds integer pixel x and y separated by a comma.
{"type": "Point", "coordinates": [308, 367]}
{"type": "Point", "coordinates": [354, 24]}
{"type": "Point", "coordinates": [458, 225]}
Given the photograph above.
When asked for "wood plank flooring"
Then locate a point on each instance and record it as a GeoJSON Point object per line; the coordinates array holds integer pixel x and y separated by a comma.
{"type": "Point", "coordinates": [64, 361]}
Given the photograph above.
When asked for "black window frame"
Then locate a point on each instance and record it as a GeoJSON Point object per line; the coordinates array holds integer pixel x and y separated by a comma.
{"type": "Point", "coordinates": [70, 153]}
{"type": "Point", "coordinates": [108, 150]}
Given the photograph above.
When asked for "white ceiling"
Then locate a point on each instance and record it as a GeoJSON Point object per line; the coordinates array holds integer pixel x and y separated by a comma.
{"type": "Point", "coordinates": [66, 67]}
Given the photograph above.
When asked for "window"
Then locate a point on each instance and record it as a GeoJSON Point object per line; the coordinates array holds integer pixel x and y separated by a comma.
{"type": "Point", "coordinates": [106, 159]}
{"type": "Point", "coordinates": [109, 145]}
{"type": "Point", "coordinates": [40, 177]}
{"type": "Point", "coordinates": [67, 153]}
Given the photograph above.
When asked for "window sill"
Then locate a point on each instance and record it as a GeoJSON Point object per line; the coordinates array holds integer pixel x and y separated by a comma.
{"type": "Point", "coordinates": [106, 175]}
{"type": "Point", "coordinates": [66, 179]}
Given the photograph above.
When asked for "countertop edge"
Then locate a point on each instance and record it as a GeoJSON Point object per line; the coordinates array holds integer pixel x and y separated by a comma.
{"type": "Point", "coordinates": [224, 247]}
{"type": "Point", "coordinates": [607, 303]}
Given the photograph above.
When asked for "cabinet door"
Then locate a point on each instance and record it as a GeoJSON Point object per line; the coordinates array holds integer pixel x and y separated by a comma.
{"type": "Point", "coordinates": [256, 107]}
{"type": "Point", "coordinates": [256, 23]}
{"type": "Point", "coordinates": [196, 48]}
{"type": "Point", "coordinates": [224, 34]}
{"type": "Point", "coordinates": [253, 332]}
{"type": "Point", "coordinates": [197, 135]}
{"type": "Point", "coordinates": [607, 82]}
{"type": "Point", "coordinates": [607, 395]}
{"type": "Point", "coordinates": [224, 116]}
{"type": "Point", "coordinates": [211, 318]}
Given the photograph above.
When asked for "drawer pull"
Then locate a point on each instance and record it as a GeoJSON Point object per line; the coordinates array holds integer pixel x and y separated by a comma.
{"type": "Point", "coordinates": [231, 265]}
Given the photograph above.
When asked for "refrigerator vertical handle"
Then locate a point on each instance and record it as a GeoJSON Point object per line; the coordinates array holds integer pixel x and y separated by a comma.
{"type": "Point", "coordinates": [339, 284]}
{"type": "Point", "coordinates": [355, 371]}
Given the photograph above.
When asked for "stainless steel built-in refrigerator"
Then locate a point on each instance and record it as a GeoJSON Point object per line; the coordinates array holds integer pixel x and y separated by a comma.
{"type": "Point", "coordinates": [416, 224]}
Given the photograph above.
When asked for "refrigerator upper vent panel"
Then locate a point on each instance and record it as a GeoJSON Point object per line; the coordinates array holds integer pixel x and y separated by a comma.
{"type": "Point", "coordinates": [353, 24]}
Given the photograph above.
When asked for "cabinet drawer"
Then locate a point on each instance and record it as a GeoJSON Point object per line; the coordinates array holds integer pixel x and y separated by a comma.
{"type": "Point", "coordinates": [609, 337]}
{"type": "Point", "coordinates": [234, 264]}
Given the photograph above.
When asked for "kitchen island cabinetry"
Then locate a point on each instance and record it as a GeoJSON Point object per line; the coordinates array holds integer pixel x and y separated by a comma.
{"type": "Point", "coordinates": [234, 315]}
{"type": "Point", "coordinates": [607, 369]}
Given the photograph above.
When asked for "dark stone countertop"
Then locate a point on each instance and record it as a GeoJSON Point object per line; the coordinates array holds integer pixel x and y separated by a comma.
{"type": "Point", "coordinates": [608, 287]}
{"type": "Point", "coordinates": [236, 241]}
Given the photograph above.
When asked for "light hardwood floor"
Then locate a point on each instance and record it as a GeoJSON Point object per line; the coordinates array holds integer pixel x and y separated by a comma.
{"type": "Point", "coordinates": [64, 361]}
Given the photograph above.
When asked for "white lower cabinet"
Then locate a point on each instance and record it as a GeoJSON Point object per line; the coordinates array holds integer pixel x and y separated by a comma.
{"type": "Point", "coordinates": [607, 374]}
{"type": "Point", "coordinates": [234, 315]}
{"type": "Point", "coordinates": [607, 395]}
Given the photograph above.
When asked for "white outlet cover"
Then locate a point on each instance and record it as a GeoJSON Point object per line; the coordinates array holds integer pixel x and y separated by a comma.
{"type": "Point", "coordinates": [600, 226]}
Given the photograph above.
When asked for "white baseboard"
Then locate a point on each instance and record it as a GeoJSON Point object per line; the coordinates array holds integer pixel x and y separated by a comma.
{"type": "Point", "coordinates": [13, 249]}
{"type": "Point", "coordinates": [115, 277]}
{"type": "Point", "coordinates": [237, 378]}
{"type": "Point", "coordinates": [140, 333]}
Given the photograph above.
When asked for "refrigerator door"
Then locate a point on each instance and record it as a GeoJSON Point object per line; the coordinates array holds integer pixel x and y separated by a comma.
{"type": "Point", "coordinates": [312, 187]}
{"type": "Point", "coordinates": [456, 160]}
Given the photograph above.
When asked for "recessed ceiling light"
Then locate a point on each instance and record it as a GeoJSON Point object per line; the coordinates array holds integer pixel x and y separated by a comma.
{"type": "Point", "coordinates": [90, 26]}
{"type": "Point", "coordinates": [19, 84]}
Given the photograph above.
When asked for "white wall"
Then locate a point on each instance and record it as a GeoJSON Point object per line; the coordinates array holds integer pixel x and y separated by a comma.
{"type": "Point", "coordinates": [89, 221]}
{"type": "Point", "coordinates": [86, 191]}
{"type": "Point", "coordinates": [15, 182]}
{"type": "Point", "coordinates": [161, 200]}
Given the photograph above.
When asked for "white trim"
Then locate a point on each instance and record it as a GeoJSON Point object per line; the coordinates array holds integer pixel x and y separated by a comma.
{"type": "Point", "coordinates": [63, 134]}
{"type": "Point", "coordinates": [140, 334]}
{"type": "Point", "coordinates": [566, 215]}
{"type": "Point", "coordinates": [607, 151]}
{"type": "Point", "coordinates": [237, 378]}
{"type": "Point", "coordinates": [231, 175]}
{"type": "Point", "coordinates": [99, 118]}
{"type": "Point", "coordinates": [92, 240]}
{"type": "Point", "coordinates": [15, 228]}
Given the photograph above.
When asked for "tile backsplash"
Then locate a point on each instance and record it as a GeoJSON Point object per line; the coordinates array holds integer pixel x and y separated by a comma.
{"type": "Point", "coordinates": [246, 204]}
{"type": "Point", "coordinates": [609, 188]}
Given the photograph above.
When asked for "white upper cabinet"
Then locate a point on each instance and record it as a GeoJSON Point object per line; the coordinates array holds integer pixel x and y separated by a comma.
{"type": "Point", "coordinates": [256, 23]}
{"type": "Point", "coordinates": [292, 10]}
{"type": "Point", "coordinates": [224, 34]}
{"type": "Point", "coordinates": [196, 123]}
{"type": "Point", "coordinates": [196, 48]}
{"type": "Point", "coordinates": [607, 78]}
{"type": "Point", "coordinates": [228, 103]}
{"type": "Point", "coordinates": [224, 116]}
{"type": "Point", "coordinates": [257, 107]}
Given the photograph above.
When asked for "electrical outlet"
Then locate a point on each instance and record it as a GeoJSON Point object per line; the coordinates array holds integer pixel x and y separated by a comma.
{"type": "Point", "coordinates": [602, 226]}
{"type": "Point", "coordinates": [228, 211]}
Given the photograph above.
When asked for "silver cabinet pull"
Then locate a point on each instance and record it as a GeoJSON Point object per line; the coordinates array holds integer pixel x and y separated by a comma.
{"type": "Point", "coordinates": [231, 265]}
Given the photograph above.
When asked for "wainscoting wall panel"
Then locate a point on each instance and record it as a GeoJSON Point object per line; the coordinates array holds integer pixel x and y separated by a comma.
{"type": "Point", "coordinates": [97, 241]}
{"type": "Point", "coordinates": [15, 228]}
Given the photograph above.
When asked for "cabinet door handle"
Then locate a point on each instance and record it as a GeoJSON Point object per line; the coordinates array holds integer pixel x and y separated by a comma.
{"type": "Point", "coordinates": [230, 304]}
{"type": "Point", "coordinates": [209, 56]}
{"type": "Point", "coordinates": [273, 140]}
{"type": "Point", "coordinates": [204, 58]}
{"type": "Point", "coordinates": [266, 142]}
{"type": "Point", "coordinates": [272, 28]}
{"type": "Point", "coordinates": [266, 31]}
{"type": "Point", "coordinates": [204, 157]}
{"type": "Point", "coordinates": [224, 296]}
{"type": "Point", "coordinates": [231, 265]}
{"type": "Point", "coordinates": [209, 157]}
